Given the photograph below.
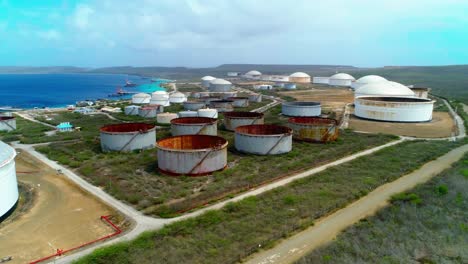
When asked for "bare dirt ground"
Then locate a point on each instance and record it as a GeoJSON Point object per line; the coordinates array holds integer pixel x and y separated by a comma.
{"type": "Point", "coordinates": [442, 125]}
{"type": "Point", "coordinates": [327, 228]}
{"type": "Point", "coordinates": [62, 215]}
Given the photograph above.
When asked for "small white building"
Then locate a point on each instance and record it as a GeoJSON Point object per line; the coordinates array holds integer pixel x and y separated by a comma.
{"type": "Point", "coordinates": [341, 79]}
{"type": "Point", "coordinates": [233, 74]}
{"type": "Point", "coordinates": [263, 87]}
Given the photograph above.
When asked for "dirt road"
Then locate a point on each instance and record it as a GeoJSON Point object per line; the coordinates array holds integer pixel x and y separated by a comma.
{"type": "Point", "coordinates": [327, 228]}
{"type": "Point", "coordinates": [62, 215]}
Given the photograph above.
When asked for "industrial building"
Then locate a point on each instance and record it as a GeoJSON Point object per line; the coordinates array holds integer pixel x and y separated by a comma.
{"type": "Point", "coordinates": [141, 98]}
{"type": "Point", "coordinates": [341, 79]}
{"type": "Point", "coordinates": [7, 123]}
{"type": "Point", "coordinates": [160, 98]}
{"type": "Point", "coordinates": [206, 81]}
{"type": "Point", "coordinates": [394, 109]}
{"type": "Point", "coordinates": [253, 74]}
{"type": "Point", "coordinates": [232, 74]}
{"type": "Point", "coordinates": [320, 80]}
{"type": "Point", "coordinates": [367, 80]}
{"type": "Point", "coordinates": [192, 155]}
{"type": "Point", "coordinates": [299, 77]}
{"type": "Point", "coordinates": [263, 139]}
{"type": "Point", "coordinates": [304, 109]}
{"type": "Point", "coordinates": [263, 87]}
{"type": "Point", "coordinates": [8, 184]}
{"type": "Point", "coordinates": [64, 127]}
{"type": "Point", "coordinates": [220, 85]}
{"type": "Point", "coordinates": [127, 137]}
{"type": "Point", "coordinates": [384, 88]}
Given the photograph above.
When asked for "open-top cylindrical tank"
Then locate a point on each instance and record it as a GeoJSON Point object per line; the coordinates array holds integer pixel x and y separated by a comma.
{"type": "Point", "coordinates": [209, 99]}
{"type": "Point", "coordinates": [394, 109]}
{"type": "Point", "coordinates": [232, 120]}
{"type": "Point", "coordinates": [239, 101]}
{"type": "Point", "coordinates": [128, 137]}
{"type": "Point", "coordinates": [7, 123]}
{"type": "Point", "coordinates": [165, 118]}
{"type": "Point", "coordinates": [194, 105]}
{"type": "Point", "coordinates": [132, 110]}
{"type": "Point", "coordinates": [222, 105]}
{"type": "Point", "coordinates": [188, 113]}
{"type": "Point", "coordinates": [148, 111]}
{"type": "Point", "coordinates": [263, 139]}
{"type": "Point", "coordinates": [194, 126]}
{"type": "Point", "coordinates": [301, 108]}
{"type": "Point", "coordinates": [208, 112]}
{"type": "Point", "coordinates": [227, 95]}
{"type": "Point", "coordinates": [192, 155]}
{"type": "Point", "coordinates": [314, 129]}
{"type": "Point", "coordinates": [255, 98]}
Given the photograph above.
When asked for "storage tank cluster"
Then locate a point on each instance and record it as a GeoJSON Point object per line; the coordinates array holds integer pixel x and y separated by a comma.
{"type": "Point", "coordinates": [7, 123]}
{"type": "Point", "coordinates": [220, 85]}
{"type": "Point", "coordinates": [8, 183]}
{"type": "Point", "coordinates": [127, 137]}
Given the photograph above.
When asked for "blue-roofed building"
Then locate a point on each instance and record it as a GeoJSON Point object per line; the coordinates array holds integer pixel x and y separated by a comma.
{"type": "Point", "coordinates": [65, 127]}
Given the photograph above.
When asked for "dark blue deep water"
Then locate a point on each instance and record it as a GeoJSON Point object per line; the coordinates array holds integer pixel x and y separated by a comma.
{"type": "Point", "coordinates": [57, 90]}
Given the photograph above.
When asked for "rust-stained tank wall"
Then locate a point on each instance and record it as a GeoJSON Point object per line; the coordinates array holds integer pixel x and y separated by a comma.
{"type": "Point", "coordinates": [194, 126]}
{"type": "Point", "coordinates": [7, 123]}
{"type": "Point", "coordinates": [305, 109]}
{"type": "Point", "coordinates": [192, 155]}
{"type": "Point", "coordinates": [263, 139]}
{"type": "Point", "coordinates": [127, 137]}
{"type": "Point", "coordinates": [194, 105]}
{"type": "Point", "coordinates": [314, 129]}
{"type": "Point", "coordinates": [394, 109]}
{"type": "Point", "coordinates": [239, 101]}
{"type": "Point", "coordinates": [232, 120]}
{"type": "Point", "coordinates": [222, 105]}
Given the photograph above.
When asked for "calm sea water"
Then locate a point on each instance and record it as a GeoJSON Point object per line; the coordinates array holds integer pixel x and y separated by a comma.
{"type": "Point", "coordinates": [57, 90]}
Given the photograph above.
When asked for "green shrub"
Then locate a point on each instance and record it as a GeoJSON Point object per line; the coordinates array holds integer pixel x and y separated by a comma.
{"type": "Point", "coordinates": [442, 189]}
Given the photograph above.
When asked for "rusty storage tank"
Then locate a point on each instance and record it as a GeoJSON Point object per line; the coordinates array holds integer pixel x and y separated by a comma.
{"type": "Point", "coordinates": [226, 95]}
{"type": "Point", "coordinates": [239, 101]}
{"type": "Point", "coordinates": [192, 155]}
{"type": "Point", "coordinates": [255, 98]}
{"type": "Point", "coordinates": [222, 105]}
{"type": "Point", "coordinates": [314, 129]}
{"type": "Point", "coordinates": [232, 120]}
{"type": "Point", "coordinates": [394, 109]}
{"type": "Point", "coordinates": [209, 99]}
{"type": "Point", "coordinates": [194, 105]}
{"type": "Point", "coordinates": [165, 118]}
{"type": "Point", "coordinates": [128, 137]}
{"type": "Point", "coordinates": [194, 126]}
{"type": "Point", "coordinates": [148, 111]}
{"type": "Point", "coordinates": [7, 123]}
{"type": "Point", "coordinates": [263, 139]}
{"type": "Point", "coordinates": [305, 108]}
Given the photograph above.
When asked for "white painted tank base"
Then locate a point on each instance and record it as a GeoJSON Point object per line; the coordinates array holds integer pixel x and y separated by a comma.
{"type": "Point", "coordinates": [8, 183]}
{"type": "Point", "coordinates": [304, 109]}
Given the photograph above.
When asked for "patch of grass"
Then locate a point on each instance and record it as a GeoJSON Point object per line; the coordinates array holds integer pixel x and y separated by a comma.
{"type": "Point", "coordinates": [434, 232]}
{"type": "Point", "coordinates": [241, 228]}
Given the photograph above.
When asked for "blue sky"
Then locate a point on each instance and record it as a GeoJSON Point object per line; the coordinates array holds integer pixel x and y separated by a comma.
{"type": "Point", "coordinates": [204, 33]}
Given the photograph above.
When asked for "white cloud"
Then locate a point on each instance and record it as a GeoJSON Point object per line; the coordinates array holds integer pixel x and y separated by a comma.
{"type": "Point", "coordinates": [50, 34]}
{"type": "Point", "coordinates": [82, 15]}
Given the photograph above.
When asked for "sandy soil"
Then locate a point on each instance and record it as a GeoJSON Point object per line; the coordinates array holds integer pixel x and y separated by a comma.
{"type": "Point", "coordinates": [62, 216]}
{"type": "Point", "coordinates": [442, 125]}
{"type": "Point", "coordinates": [327, 228]}
{"type": "Point", "coordinates": [333, 98]}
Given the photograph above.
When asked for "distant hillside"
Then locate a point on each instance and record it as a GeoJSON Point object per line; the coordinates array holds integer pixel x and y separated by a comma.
{"type": "Point", "coordinates": [40, 70]}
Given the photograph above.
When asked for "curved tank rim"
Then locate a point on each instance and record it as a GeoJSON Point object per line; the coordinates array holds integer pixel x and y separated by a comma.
{"type": "Point", "coordinates": [222, 101]}
{"type": "Point", "coordinates": [277, 130]}
{"type": "Point", "coordinates": [127, 128]}
{"type": "Point", "coordinates": [312, 121]}
{"type": "Point", "coordinates": [243, 115]}
{"type": "Point", "coordinates": [302, 104]}
{"type": "Point", "coordinates": [190, 121]}
{"type": "Point", "coordinates": [396, 100]}
{"type": "Point", "coordinates": [210, 138]}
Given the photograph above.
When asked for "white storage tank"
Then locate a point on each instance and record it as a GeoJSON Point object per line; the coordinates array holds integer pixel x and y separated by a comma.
{"type": "Point", "coordinates": [205, 81]}
{"type": "Point", "coordinates": [188, 114]}
{"type": "Point", "coordinates": [299, 77]}
{"type": "Point", "coordinates": [148, 111]}
{"type": "Point", "coordinates": [128, 137]}
{"type": "Point", "coordinates": [263, 139]}
{"type": "Point", "coordinates": [301, 108]}
{"type": "Point", "coordinates": [8, 183]}
{"type": "Point", "coordinates": [253, 74]}
{"type": "Point", "coordinates": [132, 110]}
{"type": "Point", "coordinates": [208, 112]}
{"type": "Point", "coordinates": [394, 109]}
{"type": "Point", "coordinates": [320, 80]}
{"type": "Point", "coordinates": [220, 85]}
{"type": "Point", "coordinates": [165, 118]}
{"type": "Point", "coordinates": [141, 98]}
{"type": "Point", "coordinates": [194, 126]}
{"type": "Point", "coordinates": [367, 80]}
{"type": "Point", "coordinates": [384, 88]}
{"type": "Point", "coordinates": [341, 79]}
{"type": "Point", "coordinates": [177, 98]}
{"type": "Point", "coordinates": [255, 98]}
{"type": "Point", "coordinates": [7, 123]}
{"type": "Point", "coordinates": [160, 98]}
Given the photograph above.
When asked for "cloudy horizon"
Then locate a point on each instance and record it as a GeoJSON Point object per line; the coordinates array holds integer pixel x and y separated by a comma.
{"type": "Point", "coordinates": [196, 33]}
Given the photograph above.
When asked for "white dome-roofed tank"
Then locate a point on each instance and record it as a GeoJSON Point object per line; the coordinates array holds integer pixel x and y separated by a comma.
{"type": "Point", "coordinates": [8, 183]}
{"type": "Point", "coordinates": [299, 77]}
{"type": "Point", "coordinates": [206, 81]}
{"type": "Point", "coordinates": [160, 98]}
{"type": "Point", "coordinates": [384, 88]}
{"type": "Point", "coordinates": [177, 97]}
{"type": "Point", "coordinates": [220, 85]}
{"type": "Point", "coordinates": [366, 80]}
{"type": "Point", "coordinates": [253, 74]}
{"type": "Point", "coordinates": [341, 79]}
{"type": "Point", "coordinates": [141, 98]}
